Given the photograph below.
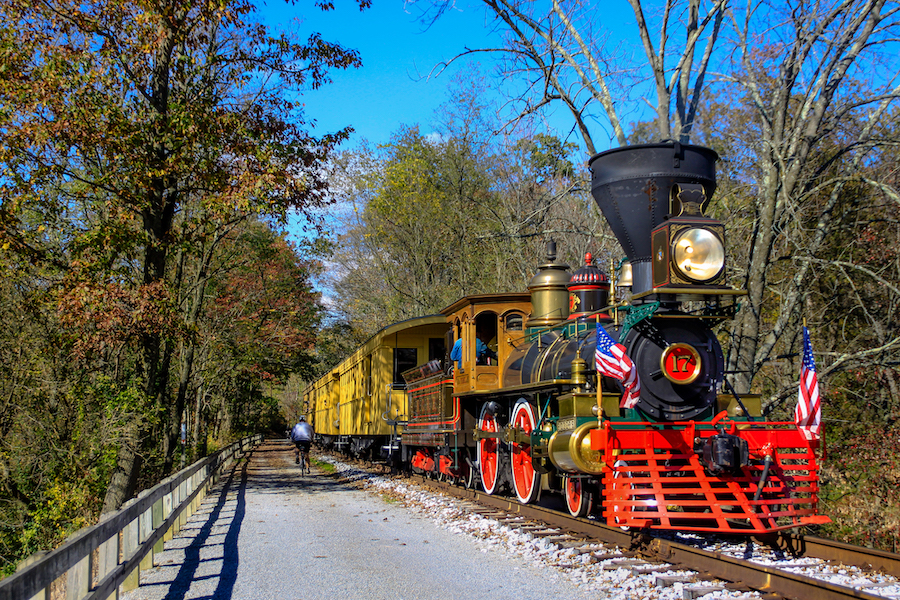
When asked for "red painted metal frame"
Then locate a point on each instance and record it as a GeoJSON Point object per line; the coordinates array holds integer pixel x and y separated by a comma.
{"type": "Point", "coordinates": [654, 478]}
{"type": "Point", "coordinates": [423, 459]}
{"type": "Point", "coordinates": [428, 424]}
{"type": "Point", "coordinates": [427, 421]}
{"type": "Point", "coordinates": [431, 395]}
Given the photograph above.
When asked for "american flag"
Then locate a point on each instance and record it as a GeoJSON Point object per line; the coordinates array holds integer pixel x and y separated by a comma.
{"type": "Point", "coordinates": [612, 361]}
{"type": "Point", "coordinates": [808, 415]}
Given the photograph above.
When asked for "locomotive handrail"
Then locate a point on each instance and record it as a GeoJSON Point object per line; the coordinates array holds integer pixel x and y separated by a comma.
{"type": "Point", "coordinates": [616, 307]}
{"type": "Point", "coordinates": [135, 533]}
{"type": "Point", "coordinates": [707, 424]}
{"type": "Point", "coordinates": [570, 321]}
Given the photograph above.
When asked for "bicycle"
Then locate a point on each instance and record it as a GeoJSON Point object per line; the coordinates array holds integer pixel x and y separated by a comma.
{"type": "Point", "coordinates": [304, 462]}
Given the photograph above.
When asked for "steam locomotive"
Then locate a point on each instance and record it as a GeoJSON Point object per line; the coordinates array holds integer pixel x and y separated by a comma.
{"type": "Point", "coordinates": [523, 408]}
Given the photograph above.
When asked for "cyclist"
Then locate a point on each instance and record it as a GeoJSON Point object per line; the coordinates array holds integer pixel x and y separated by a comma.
{"type": "Point", "coordinates": [302, 436]}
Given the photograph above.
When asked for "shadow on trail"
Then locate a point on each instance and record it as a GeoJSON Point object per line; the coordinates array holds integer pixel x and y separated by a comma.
{"type": "Point", "coordinates": [181, 584]}
{"type": "Point", "coordinates": [267, 469]}
{"type": "Point", "coordinates": [277, 473]}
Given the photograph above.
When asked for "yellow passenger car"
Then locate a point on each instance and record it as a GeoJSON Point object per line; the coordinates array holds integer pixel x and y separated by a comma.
{"type": "Point", "coordinates": [359, 404]}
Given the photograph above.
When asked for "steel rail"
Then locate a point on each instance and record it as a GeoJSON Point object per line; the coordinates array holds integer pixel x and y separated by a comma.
{"type": "Point", "coordinates": [868, 559]}
{"type": "Point", "coordinates": [740, 573]}
{"type": "Point", "coordinates": [762, 578]}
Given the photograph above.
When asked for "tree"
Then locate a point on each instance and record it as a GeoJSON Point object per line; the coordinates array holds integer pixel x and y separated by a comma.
{"type": "Point", "coordinates": [259, 327]}
{"type": "Point", "coordinates": [117, 117]}
{"type": "Point", "coordinates": [461, 212]}
{"type": "Point", "coordinates": [818, 113]}
{"type": "Point", "coordinates": [559, 52]}
{"type": "Point", "coordinates": [412, 235]}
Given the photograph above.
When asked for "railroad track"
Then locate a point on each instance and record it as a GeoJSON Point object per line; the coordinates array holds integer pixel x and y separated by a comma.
{"type": "Point", "coordinates": [792, 576]}
{"type": "Point", "coordinates": [647, 554]}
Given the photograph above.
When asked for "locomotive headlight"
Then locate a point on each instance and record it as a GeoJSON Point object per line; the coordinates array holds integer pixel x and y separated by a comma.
{"type": "Point", "coordinates": [698, 253]}
{"type": "Point", "coordinates": [689, 254]}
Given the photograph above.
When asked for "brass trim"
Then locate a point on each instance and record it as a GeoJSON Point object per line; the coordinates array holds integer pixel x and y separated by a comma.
{"type": "Point", "coordinates": [676, 231]}
{"type": "Point", "coordinates": [565, 423]}
{"type": "Point", "coordinates": [752, 402]}
{"type": "Point", "coordinates": [537, 386]}
{"type": "Point", "coordinates": [570, 451]}
{"type": "Point", "coordinates": [587, 460]}
{"type": "Point", "coordinates": [698, 363]}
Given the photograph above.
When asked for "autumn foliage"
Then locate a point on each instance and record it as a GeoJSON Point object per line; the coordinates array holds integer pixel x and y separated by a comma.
{"type": "Point", "coordinates": [152, 151]}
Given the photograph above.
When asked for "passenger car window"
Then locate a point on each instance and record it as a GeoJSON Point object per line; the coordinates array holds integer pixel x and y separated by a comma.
{"type": "Point", "coordinates": [404, 360]}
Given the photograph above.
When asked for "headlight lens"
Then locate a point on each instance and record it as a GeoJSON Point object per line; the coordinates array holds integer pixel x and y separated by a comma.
{"type": "Point", "coordinates": [699, 254]}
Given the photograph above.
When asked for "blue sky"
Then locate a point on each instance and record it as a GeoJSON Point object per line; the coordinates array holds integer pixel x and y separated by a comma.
{"type": "Point", "coordinates": [392, 88]}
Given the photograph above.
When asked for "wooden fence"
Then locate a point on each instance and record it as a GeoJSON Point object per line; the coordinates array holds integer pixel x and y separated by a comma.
{"type": "Point", "coordinates": [98, 561]}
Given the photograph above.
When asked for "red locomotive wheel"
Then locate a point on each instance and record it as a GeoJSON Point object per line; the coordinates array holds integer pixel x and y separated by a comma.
{"type": "Point", "coordinates": [488, 451]}
{"type": "Point", "coordinates": [525, 478]}
{"type": "Point", "coordinates": [578, 499]}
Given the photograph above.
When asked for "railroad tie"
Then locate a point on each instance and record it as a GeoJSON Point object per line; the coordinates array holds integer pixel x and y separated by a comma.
{"type": "Point", "coordinates": [509, 520]}
{"type": "Point", "coordinates": [693, 592]}
{"type": "Point", "coordinates": [625, 564]}
{"type": "Point", "coordinates": [559, 540]}
{"type": "Point", "coordinates": [649, 569]}
{"type": "Point", "coordinates": [586, 548]}
{"type": "Point", "coordinates": [489, 512]}
{"type": "Point", "coordinates": [599, 556]}
{"type": "Point", "coordinates": [670, 580]}
{"type": "Point", "coordinates": [574, 544]}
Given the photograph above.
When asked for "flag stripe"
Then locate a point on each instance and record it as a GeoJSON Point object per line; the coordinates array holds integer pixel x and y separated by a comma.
{"type": "Point", "coordinates": [808, 415]}
{"type": "Point", "coordinates": [612, 360]}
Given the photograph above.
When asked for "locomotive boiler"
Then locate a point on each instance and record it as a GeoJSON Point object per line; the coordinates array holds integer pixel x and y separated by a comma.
{"type": "Point", "coordinates": [525, 407]}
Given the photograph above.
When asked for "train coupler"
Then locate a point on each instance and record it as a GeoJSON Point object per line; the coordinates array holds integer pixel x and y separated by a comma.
{"type": "Point", "coordinates": [723, 453]}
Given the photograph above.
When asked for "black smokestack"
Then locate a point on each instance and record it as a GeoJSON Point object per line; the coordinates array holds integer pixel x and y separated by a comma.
{"type": "Point", "coordinates": [632, 185]}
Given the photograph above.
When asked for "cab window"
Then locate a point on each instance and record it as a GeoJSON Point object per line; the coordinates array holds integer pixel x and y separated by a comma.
{"type": "Point", "coordinates": [514, 322]}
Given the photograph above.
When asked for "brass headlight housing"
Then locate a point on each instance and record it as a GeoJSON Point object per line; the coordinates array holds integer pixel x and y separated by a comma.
{"type": "Point", "coordinates": [698, 254]}
{"type": "Point", "coordinates": [689, 254]}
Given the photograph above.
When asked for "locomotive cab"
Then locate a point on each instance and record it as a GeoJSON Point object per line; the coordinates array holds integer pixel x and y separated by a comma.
{"type": "Point", "coordinates": [492, 322]}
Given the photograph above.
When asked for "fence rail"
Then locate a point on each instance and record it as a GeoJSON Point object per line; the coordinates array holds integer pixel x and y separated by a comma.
{"type": "Point", "coordinates": [97, 561]}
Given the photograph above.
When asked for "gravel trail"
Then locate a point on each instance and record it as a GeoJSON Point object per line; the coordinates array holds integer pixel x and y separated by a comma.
{"type": "Point", "coordinates": [265, 532]}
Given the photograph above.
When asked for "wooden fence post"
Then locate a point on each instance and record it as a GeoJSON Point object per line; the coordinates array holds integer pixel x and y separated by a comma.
{"type": "Point", "coordinates": [130, 543]}
{"type": "Point", "coordinates": [109, 558]}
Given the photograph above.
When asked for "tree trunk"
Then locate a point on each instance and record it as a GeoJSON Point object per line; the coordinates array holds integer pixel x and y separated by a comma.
{"type": "Point", "coordinates": [123, 483]}
{"type": "Point", "coordinates": [174, 429]}
{"type": "Point", "coordinates": [746, 331]}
